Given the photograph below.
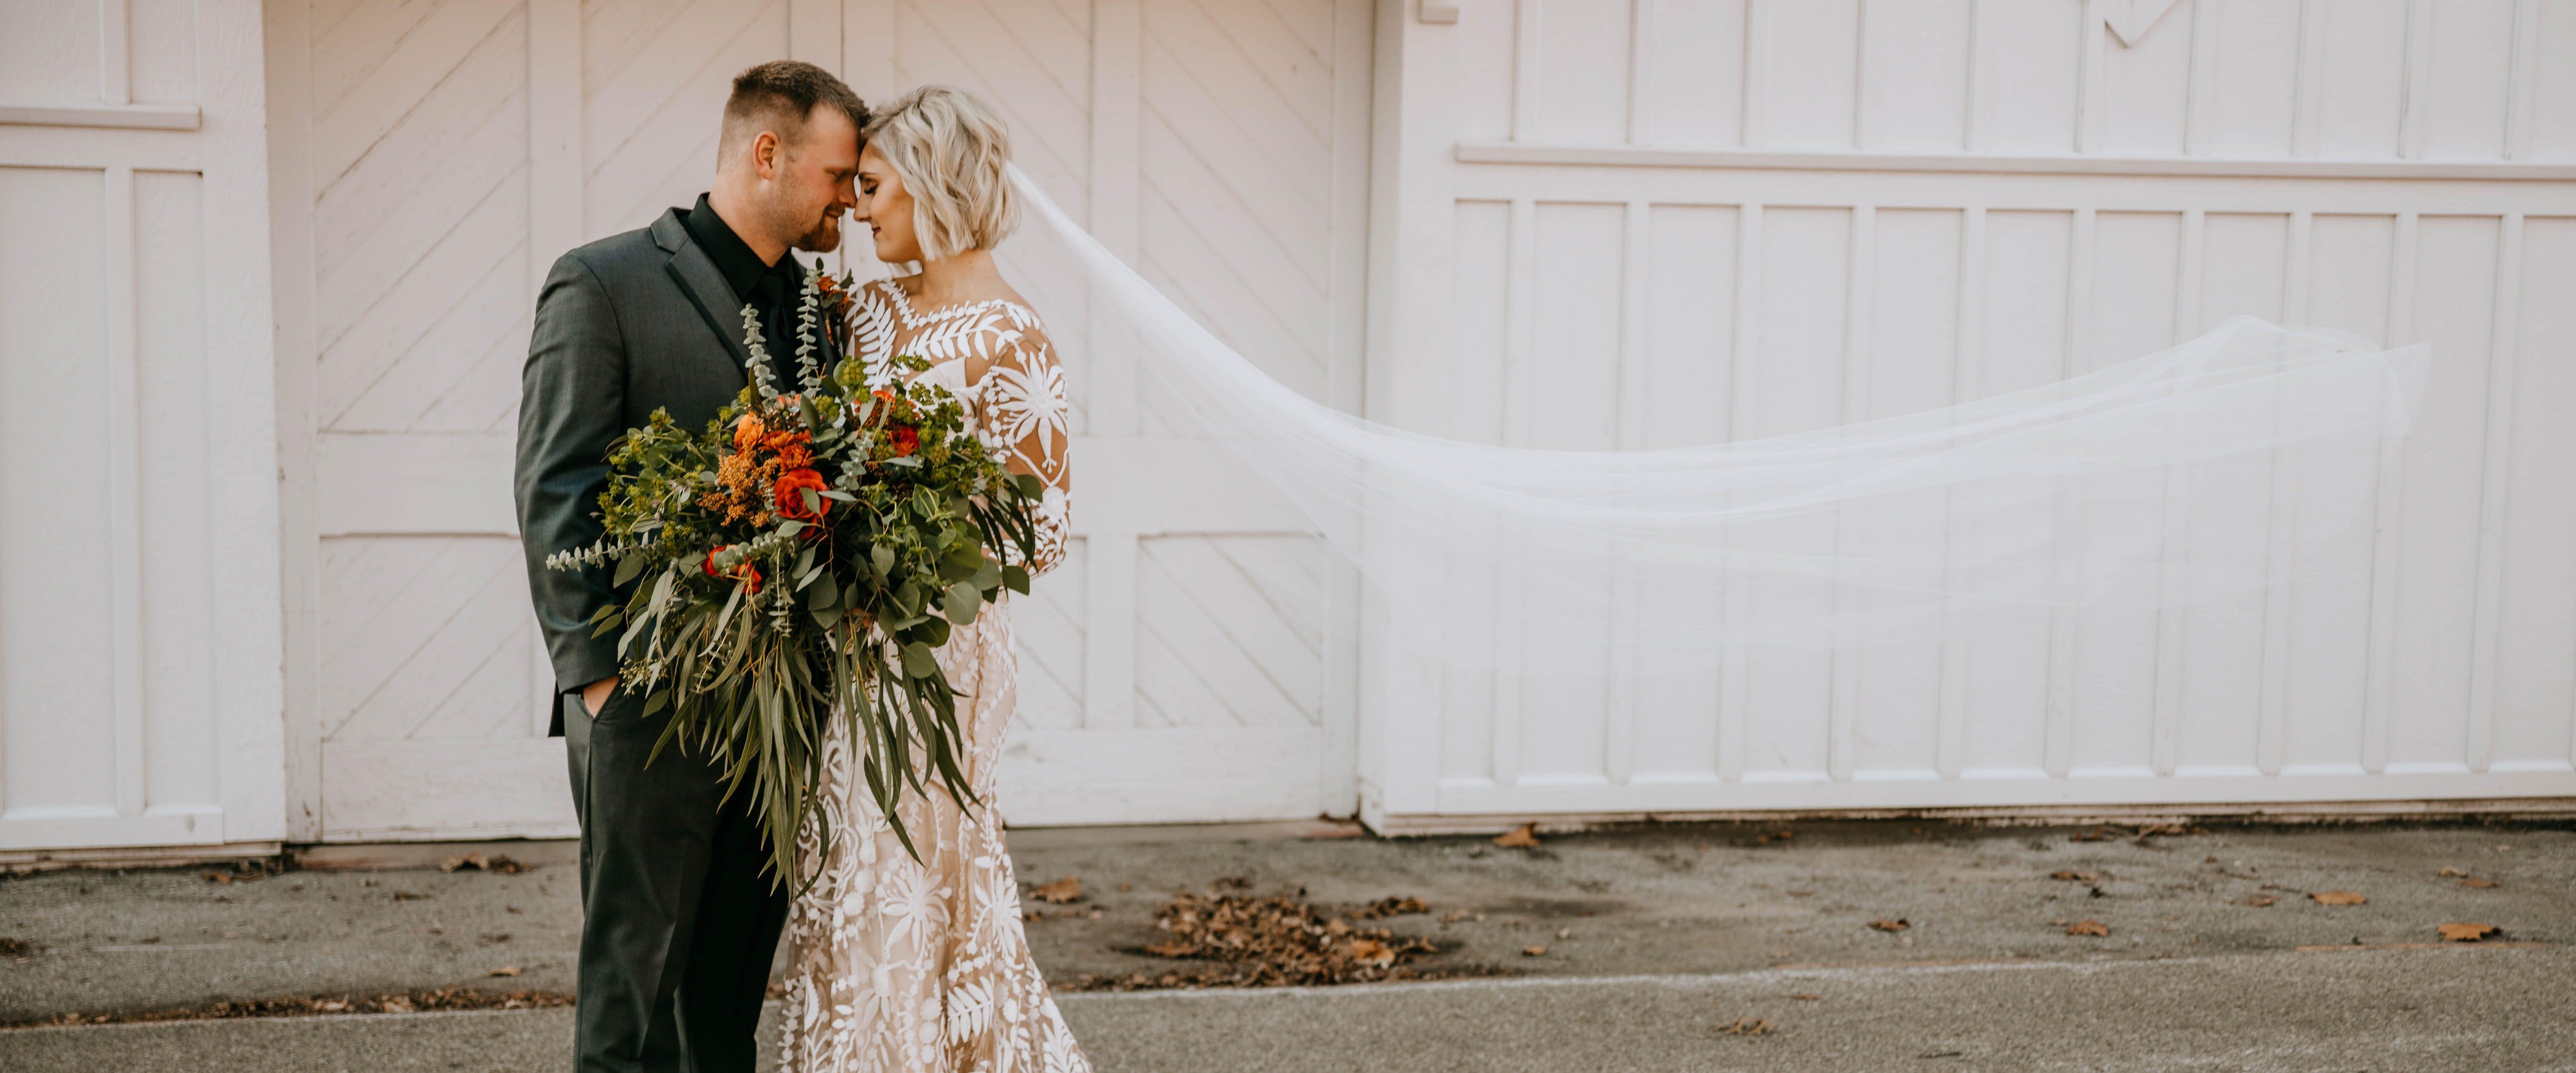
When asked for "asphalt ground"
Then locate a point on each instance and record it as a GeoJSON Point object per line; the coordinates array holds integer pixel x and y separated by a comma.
{"type": "Point", "coordinates": [1657, 940]}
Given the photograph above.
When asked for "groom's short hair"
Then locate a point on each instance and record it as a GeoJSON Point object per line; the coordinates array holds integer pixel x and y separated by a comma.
{"type": "Point", "coordinates": [779, 96]}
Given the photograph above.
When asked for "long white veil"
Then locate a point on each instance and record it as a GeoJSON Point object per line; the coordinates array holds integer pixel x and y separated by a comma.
{"type": "Point", "coordinates": [2081, 494]}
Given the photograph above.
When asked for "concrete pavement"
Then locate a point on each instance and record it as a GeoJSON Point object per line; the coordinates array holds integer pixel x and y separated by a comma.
{"type": "Point", "coordinates": [1657, 938]}
{"type": "Point", "coordinates": [2459, 1010]}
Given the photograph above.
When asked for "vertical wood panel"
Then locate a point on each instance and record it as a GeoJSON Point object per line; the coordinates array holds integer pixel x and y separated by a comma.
{"type": "Point", "coordinates": [2469, 81]}
{"type": "Point", "coordinates": [2496, 473]}
{"type": "Point", "coordinates": [124, 476]}
{"type": "Point", "coordinates": [61, 735]}
{"type": "Point", "coordinates": [1690, 89]}
{"type": "Point", "coordinates": [1735, 688]}
{"type": "Point", "coordinates": [2334, 607]}
{"type": "Point", "coordinates": [1914, 60]}
{"type": "Point", "coordinates": [1582, 71]}
{"type": "Point", "coordinates": [2388, 546]}
{"type": "Point", "coordinates": [115, 41]}
{"type": "Point", "coordinates": [2454, 309]}
{"type": "Point", "coordinates": [1909, 345]}
{"type": "Point", "coordinates": [176, 513]}
{"type": "Point", "coordinates": [2535, 676]}
{"type": "Point", "coordinates": [1812, 74]}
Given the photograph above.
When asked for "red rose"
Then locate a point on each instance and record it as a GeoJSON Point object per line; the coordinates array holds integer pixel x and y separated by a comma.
{"type": "Point", "coordinates": [791, 500]}
{"type": "Point", "coordinates": [905, 438]}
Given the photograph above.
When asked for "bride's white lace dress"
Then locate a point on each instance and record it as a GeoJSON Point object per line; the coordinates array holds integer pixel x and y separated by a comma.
{"type": "Point", "coordinates": [900, 966]}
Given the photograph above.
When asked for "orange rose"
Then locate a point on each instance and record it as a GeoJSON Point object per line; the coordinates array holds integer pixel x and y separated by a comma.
{"type": "Point", "coordinates": [905, 439]}
{"type": "Point", "coordinates": [794, 456]}
{"type": "Point", "coordinates": [748, 433]}
{"type": "Point", "coordinates": [791, 501]}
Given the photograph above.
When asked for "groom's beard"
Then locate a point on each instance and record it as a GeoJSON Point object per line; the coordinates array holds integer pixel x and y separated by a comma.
{"type": "Point", "coordinates": [823, 237]}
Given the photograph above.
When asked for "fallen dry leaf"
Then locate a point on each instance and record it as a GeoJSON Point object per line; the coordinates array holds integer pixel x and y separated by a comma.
{"type": "Point", "coordinates": [219, 877]}
{"type": "Point", "coordinates": [2260, 900]}
{"type": "Point", "coordinates": [1533, 951]}
{"type": "Point", "coordinates": [1125, 887]}
{"type": "Point", "coordinates": [2450, 873]}
{"type": "Point", "coordinates": [1747, 1026]}
{"type": "Point", "coordinates": [2088, 926]}
{"type": "Point", "coordinates": [2467, 933]}
{"type": "Point", "coordinates": [2075, 876]}
{"type": "Point", "coordinates": [1524, 835]}
{"type": "Point", "coordinates": [1886, 924]}
{"type": "Point", "coordinates": [2337, 897]}
{"type": "Point", "coordinates": [1803, 997]}
{"type": "Point", "coordinates": [505, 970]}
{"type": "Point", "coordinates": [2098, 834]}
{"type": "Point", "coordinates": [1372, 952]}
{"type": "Point", "coordinates": [1068, 889]}
{"type": "Point", "coordinates": [1389, 906]}
{"type": "Point", "coordinates": [2479, 883]}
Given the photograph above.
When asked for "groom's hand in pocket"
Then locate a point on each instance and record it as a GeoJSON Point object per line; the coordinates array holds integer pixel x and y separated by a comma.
{"type": "Point", "coordinates": [595, 695]}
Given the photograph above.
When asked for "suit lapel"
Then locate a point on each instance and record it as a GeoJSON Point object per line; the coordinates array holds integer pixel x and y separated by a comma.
{"type": "Point", "coordinates": [705, 286]}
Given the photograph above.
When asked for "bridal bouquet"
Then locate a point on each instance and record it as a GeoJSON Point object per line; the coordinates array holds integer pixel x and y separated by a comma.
{"type": "Point", "coordinates": [800, 559]}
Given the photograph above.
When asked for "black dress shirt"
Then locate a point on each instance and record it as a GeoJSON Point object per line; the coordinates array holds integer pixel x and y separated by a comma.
{"type": "Point", "coordinates": [770, 289]}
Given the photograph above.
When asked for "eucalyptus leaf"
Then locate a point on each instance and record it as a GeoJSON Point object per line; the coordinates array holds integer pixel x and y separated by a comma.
{"type": "Point", "coordinates": [1017, 578]}
{"type": "Point", "coordinates": [917, 660]}
{"type": "Point", "coordinates": [964, 599]}
{"type": "Point", "coordinates": [627, 567]}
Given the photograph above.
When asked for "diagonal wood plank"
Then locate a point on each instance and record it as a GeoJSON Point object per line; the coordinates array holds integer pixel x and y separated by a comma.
{"type": "Point", "coordinates": [1047, 625]}
{"type": "Point", "coordinates": [1229, 631]}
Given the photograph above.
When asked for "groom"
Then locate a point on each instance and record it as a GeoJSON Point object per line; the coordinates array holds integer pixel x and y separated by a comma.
{"type": "Point", "coordinates": [679, 919]}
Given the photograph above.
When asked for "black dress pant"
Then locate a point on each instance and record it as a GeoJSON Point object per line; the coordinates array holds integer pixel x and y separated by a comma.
{"type": "Point", "coordinates": [680, 919]}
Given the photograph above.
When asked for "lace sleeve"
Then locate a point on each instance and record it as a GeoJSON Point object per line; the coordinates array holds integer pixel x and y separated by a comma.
{"type": "Point", "coordinates": [1026, 418]}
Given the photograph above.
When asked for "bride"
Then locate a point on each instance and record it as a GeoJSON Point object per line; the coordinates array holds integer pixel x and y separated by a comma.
{"type": "Point", "coordinates": [897, 964]}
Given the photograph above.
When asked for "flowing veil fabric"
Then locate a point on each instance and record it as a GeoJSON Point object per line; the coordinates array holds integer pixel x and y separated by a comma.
{"type": "Point", "coordinates": [2200, 473]}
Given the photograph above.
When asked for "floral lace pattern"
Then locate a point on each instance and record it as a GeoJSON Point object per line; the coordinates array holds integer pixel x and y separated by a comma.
{"type": "Point", "coordinates": [899, 966]}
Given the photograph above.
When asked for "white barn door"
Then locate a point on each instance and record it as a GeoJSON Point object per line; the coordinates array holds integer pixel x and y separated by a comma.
{"type": "Point", "coordinates": [138, 581]}
{"type": "Point", "coordinates": [1790, 215]}
{"type": "Point", "coordinates": [1177, 667]}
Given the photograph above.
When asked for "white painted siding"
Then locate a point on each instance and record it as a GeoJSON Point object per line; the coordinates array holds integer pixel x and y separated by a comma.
{"type": "Point", "coordinates": [138, 589]}
{"type": "Point", "coordinates": [1792, 215]}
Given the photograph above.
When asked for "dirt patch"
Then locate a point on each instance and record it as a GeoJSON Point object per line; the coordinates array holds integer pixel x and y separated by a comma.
{"type": "Point", "coordinates": [1555, 908]}
{"type": "Point", "coordinates": [1246, 940]}
{"type": "Point", "coordinates": [441, 999]}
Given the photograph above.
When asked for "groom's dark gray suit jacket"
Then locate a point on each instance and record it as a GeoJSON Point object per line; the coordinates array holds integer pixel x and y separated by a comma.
{"type": "Point", "coordinates": [625, 325]}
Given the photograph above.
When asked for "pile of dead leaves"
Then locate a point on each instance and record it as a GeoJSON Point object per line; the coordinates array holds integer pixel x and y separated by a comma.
{"type": "Point", "coordinates": [1246, 940]}
{"type": "Point", "coordinates": [445, 998]}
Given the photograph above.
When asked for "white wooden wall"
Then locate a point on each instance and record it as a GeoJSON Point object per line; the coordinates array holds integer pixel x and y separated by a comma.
{"type": "Point", "coordinates": [1634, 223]}
{"type": "Point", "coordinates": [441, 155]}
{"type": "Point", "coordinates": [138, 535]}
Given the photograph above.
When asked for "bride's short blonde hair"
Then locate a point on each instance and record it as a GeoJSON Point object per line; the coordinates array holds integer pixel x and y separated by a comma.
{"type": "Point", "coordinates": [952, 153]}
